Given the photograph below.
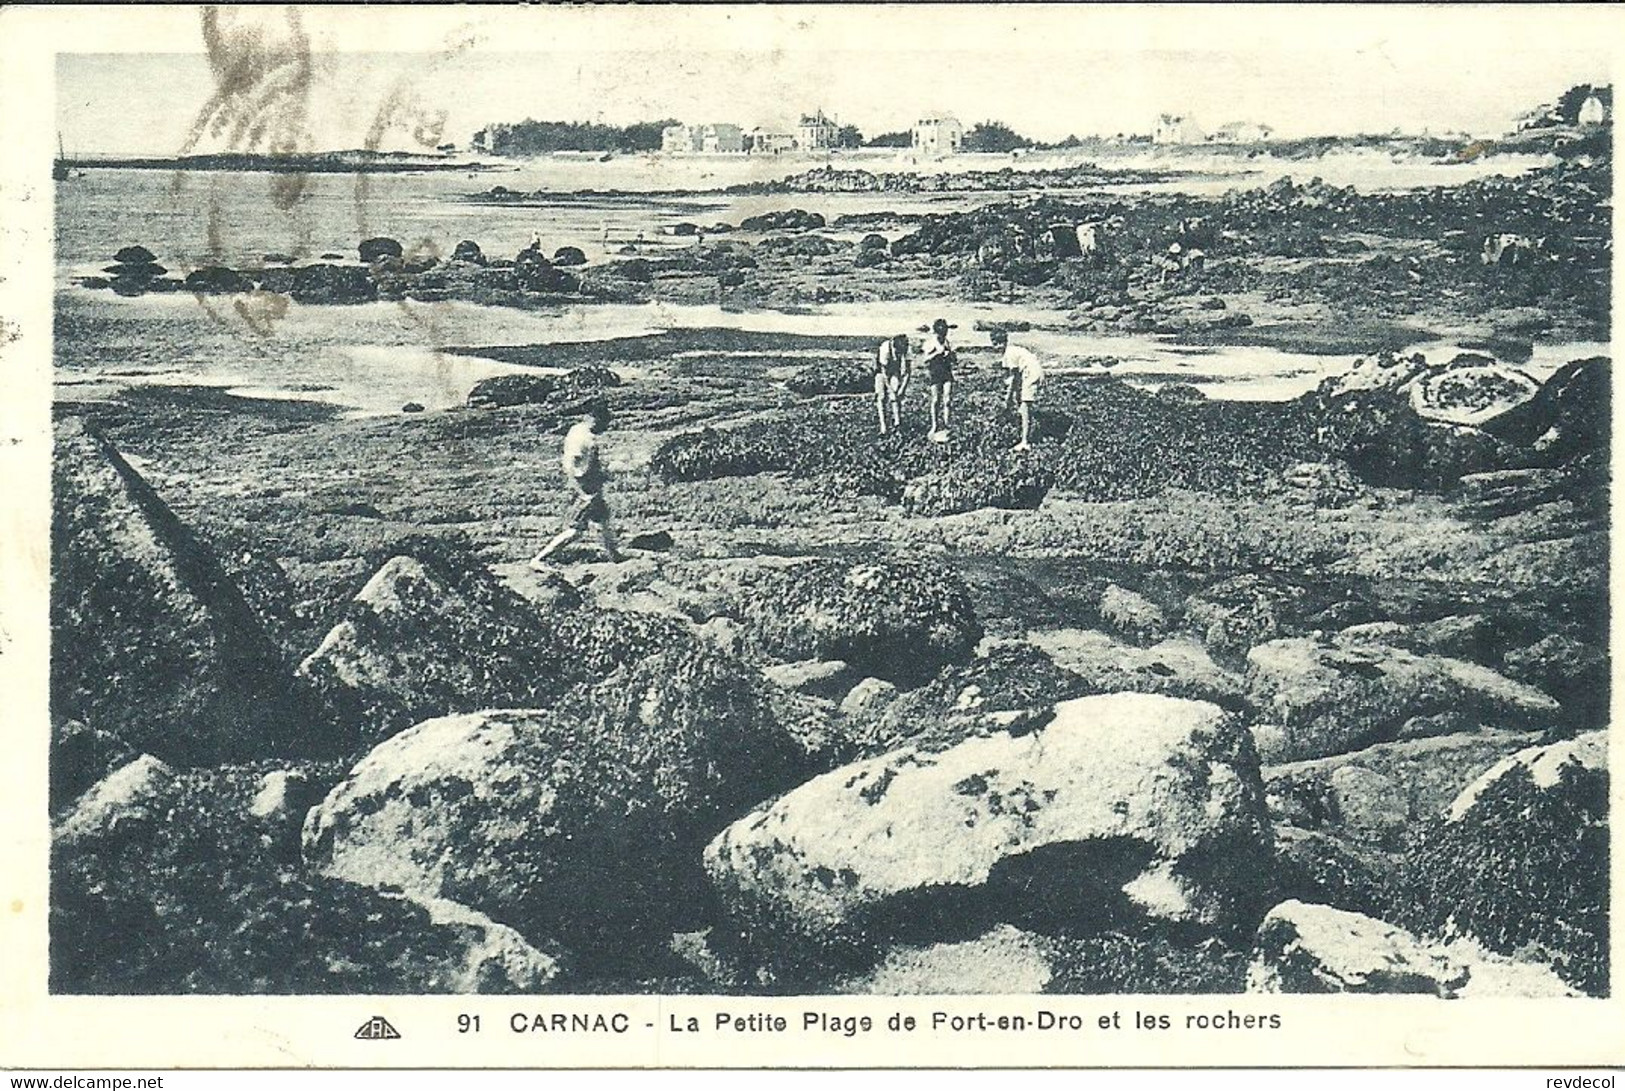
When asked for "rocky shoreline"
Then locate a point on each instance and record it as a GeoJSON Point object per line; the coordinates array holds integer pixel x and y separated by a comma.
{"type": "Point", "coordinates": [1196, 696]}
{"type": "Point", "coordinates": [1287, 264]}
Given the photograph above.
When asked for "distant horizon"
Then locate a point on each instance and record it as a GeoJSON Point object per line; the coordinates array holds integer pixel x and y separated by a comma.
{"type": "Point", "coordinates": [150, 104]}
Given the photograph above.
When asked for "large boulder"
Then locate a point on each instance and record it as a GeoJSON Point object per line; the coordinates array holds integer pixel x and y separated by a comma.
{"type": "Point", "coordinates": [151, 639]}
{"type": "Point", "coordinates": [1519, 861]}
{"type": "Point", "coordinates": [1331, 698]}
{"type": "Point", "coordinates": [429, 636]}
{"type": "Point", "coordinates": [1378, 794]}
{"type": "Point", "coordinates": [332, 284]}
{"type": "Point", "coordinates": [436, 633]}
{"type": "Point", "coordinates": [1124, 807]}
{"type": "Point", "coordinates": [162, 882]}
{"type": "Point", "coordinates": [468, 251]}
{"type": "Point", "coordinates": [1303, 948]}
{"type": "Point", "coordinates": [1411, 424]}
{"type": "Point", "coordinates": [582, 823]}
{"type": "Point", "coordinates": [888, 619]}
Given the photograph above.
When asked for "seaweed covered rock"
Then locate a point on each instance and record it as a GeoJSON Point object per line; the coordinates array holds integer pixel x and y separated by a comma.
{"type": "Point", "coordinates": [1324, 868]}
{"type": "Point", "coordinates": [1331, 698]}
{"type": "Point", "coordinates": [965, 700]}
{"type": "Point", "coordinates": [1122, 808]}
{"type": "Point", "coordinates": [152, 641]}
{"type": "Point", "coordinates": [584, 822]}
{"type": "Point", "coordinates": [332, 284]}
{"type": "Point", "coordinates": [1569, 416]}
{"type": "Point", "coordinates": [80, 756]}
{"type": "Point", "coordinates": [889, 620]}
{"type": "Point", "coordinates": [1236, 613]}
{"type": "Point", "coordinates": [429, 636]}
{"type": "Point", "coordinates": [500, 391]}
{"type": "Point", "coordinates": [1379, 794]}
{"type": "Point", "coordinates": [1408, 424]}
{"type": "Point", "coordinates": [563, 392]}
{"type": "Point", "coordinates": [1019, 484]}
{"type": "Point", "coordinates": [569, 255]}
{"type": "Point", "coordinates": [790, 219]}
{"type": "Point", "coordinates": [1304, 948]}
{"type": "Point", "coordinates": [833, 377]}
{"type": "Point", "coordinates": [436, 633]}
{"type": "Point", "coordinates": [1177, 667]}
{"type": "Point", "coordinates": [1132, 615]}
{"type": "Point", "coordinates": [135, 255]}
{"type": "Point", "coordinates": [195, 900]}
{"type": "Point", "coordinates": [1574, 671]}
{"type": "Point", "coordinates": [1520, 861]}
{"type": "Point", "coordinates": [468, 251]}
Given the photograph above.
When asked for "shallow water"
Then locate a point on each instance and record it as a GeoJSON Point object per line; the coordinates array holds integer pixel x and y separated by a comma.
{"type": "Point", "coordinates": [376, 357]}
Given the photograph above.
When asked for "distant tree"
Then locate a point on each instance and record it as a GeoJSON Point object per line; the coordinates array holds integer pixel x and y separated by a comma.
{"type": "Point", "coordinates": [892, 140]}
{"type": "Point", "coordinates": [849, 137]}
{"type": "Point", "coordinates": [994, 136]}
{"type": "Point", "coordinates": [530, 137]}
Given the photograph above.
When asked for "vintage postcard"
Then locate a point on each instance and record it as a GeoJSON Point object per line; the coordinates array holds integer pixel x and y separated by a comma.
{"type": "Point", "coordinates": [823, 536]}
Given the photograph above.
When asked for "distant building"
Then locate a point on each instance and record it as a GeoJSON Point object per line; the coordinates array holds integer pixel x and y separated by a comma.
{"type": "Point", "coordinates": [765, 141]}
{"type": "Point", "coordinates": [720, 138]}
{"type": "Point", "coordinates": [1593, 111]}
{"type": "Point", "coordinates": [1240, 132]}
{"type": "Point", "coordinates": [679, 139]}
{"type": "Point", "coordinates": [1176, 129]}
{"type": "Point", "coordinates": [692, 139]}
{"type": "Point", "coordinates": [938, 136]}
{"type": "Point", "coordinates": [816, 132]}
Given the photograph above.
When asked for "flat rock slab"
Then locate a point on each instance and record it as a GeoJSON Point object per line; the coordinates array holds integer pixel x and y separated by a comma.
{"type": "Point", "coordinates": [1303, 948]}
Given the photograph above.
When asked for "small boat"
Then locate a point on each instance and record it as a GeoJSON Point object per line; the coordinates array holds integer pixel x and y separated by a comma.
{"type": "Point", "coordinates": [606, 157]}
{"type": "Point", "coordinates": [59, 168]}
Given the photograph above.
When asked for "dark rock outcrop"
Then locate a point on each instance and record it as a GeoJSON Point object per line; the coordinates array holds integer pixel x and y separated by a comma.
{"type": "Point", "coordinates": [332, 284]}
{"type": "Point", "coordinates": [152, 640]}
{"type": "Point", "coordinates": [379, 248]}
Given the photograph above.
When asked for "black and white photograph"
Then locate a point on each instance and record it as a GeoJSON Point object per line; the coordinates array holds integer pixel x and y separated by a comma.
{"type": "Point", "coordinates": [926, 501]}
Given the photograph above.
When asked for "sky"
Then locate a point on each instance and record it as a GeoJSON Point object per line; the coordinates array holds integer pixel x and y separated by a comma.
{"type": "Point", "coordinates": [1045, 71]}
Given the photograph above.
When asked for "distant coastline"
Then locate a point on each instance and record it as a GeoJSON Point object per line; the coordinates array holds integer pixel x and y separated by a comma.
{"type": "Point", "coordinates": [340, 162]}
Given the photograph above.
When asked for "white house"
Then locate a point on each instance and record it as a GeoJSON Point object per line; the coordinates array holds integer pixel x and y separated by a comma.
{"type": "Point", "coordinates": [721, 137]}
{"type": "Point", "coordinates": [816, 132]}
{"type": "Point", "coordinates": [1176, 129]}
{"type": "Point", "coordinates": [1240, 132]}
{"type": "Point", "coordinates": [938, 136]}
{"type": "Point", "coordinates": [679, 139]}
{"type": "Point", "coordinates": [764, 141]}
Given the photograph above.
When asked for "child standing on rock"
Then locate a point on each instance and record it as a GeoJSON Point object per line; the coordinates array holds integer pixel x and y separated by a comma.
{"type": "Point", "coordinates": [584, 470]}
{"type": "Point", "coordinates": [891, 381]}
{"type": "Point", "coordinates": [939, 360]}
{"type": "Point", "coordinates": [1025, 373]}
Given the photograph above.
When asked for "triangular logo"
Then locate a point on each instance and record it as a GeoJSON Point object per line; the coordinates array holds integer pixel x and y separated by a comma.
{"type": "Point", "coordinates": [375, 1028]}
